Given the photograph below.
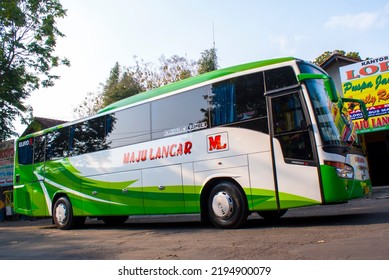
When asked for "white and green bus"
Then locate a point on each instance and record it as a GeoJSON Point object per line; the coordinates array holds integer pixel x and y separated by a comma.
{"type": "Point", "coordinates": [255, 138]}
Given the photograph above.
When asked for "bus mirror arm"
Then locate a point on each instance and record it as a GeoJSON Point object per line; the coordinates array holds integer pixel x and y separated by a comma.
{"type": "Point", "coordinates": [331, 90]}
{"type": "Point", "coordinates": [361, 104]}
{"type": "Point", "coordinates": [328, 84]}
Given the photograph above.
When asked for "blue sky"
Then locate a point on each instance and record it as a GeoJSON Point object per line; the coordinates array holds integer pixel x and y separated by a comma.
{"type": "Point", "coordinates": [101, 32]}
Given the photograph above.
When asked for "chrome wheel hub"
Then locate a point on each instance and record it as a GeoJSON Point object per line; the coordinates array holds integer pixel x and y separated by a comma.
{"type": "Point", "coordinates": [61, 213]}
{"type": "Point", "coordinates": [222, 205]}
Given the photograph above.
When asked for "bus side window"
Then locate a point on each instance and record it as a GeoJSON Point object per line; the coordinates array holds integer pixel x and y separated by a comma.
{"type": "Point", "coordinates": [238, 100]}
{"type": "Point", "coordinates": [250, 99]}
{"type": "Point", "coordinates": [25, 151]}
{"type": "Point", "coordinates": [180, 113]}
{"type": "Point", "coordinates": [280, 78]}
{"type": "Point", "coordinates": [128, 126]}
{"type": "Point", "coordinates": [39, 148]}
{"type": "Point", "coordinates": [57, 145]}
{"type": "Point", "coordinates": [88, 136]}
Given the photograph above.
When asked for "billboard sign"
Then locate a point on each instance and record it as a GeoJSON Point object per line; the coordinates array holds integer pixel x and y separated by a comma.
{"type": "Point", "coordinates": [369, 81]}
{"type": "Point", "coordinates": [6, 163]}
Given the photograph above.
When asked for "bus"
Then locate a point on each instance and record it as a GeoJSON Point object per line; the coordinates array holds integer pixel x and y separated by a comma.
{"type": "Point", "coordinates": [261, 137]}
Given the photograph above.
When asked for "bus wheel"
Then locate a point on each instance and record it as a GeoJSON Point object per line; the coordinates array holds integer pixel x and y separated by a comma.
{"type": "Point", "coordinates": [114, 220]}
{"type": "Point", "coordinates": [272, 215]}
{"type": "Point", "coordinates": [226, 205]}
{"type": "Point", "coordinates": [63, 214]}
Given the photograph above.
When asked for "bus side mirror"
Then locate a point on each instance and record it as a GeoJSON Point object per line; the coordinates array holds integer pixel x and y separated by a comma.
{"type": "Point", "coordinates": [328, 84]}
{"type": "Point", "coordinates": [331, 90]}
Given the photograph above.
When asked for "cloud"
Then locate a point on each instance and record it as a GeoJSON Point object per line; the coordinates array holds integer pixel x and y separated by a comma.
{"type": "Point", "coordinates": [359, 22]}
{"type": "Point", "coordinates": [288, 45]}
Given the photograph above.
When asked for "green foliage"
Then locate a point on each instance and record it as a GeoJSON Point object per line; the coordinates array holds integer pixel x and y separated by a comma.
{"type": "Point", "coordinates": [170, 70]}
{"type": "Point", "coordinates": [174, 69]}
{"type": "Point", "coordinates": [28, 34]}
{"type": "Point", "coordinates": [208, 61]}
{"type": "Point", "coordinates": [119, 85]}
{"type": "Point", "coordinates": [142, 76]}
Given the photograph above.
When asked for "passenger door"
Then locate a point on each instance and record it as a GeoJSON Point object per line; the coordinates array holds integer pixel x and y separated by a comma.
{"type": "Point", "coordinates": [295, 166]}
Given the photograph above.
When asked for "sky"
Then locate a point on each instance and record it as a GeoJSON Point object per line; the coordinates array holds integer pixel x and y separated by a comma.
{"type": "Point", "coordinates": [99, 33]}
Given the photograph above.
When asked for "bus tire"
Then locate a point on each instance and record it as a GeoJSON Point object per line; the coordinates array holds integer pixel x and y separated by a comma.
{"type": "Point", "coordinates": [272, 215]}
{"type": "Point", "coordinates": [226, 205]}
{"type": "Point", "coordinates": [63, 214]}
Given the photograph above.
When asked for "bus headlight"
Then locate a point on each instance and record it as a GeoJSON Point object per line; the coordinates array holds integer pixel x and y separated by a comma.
{"type": "Point", "coordinates": [343, 170]}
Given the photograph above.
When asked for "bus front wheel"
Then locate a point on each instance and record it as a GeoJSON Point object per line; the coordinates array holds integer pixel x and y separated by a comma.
{"type": "Point", "coordinates": [63, 214]}
{"type": "Point", "coordinates": [226, 205]}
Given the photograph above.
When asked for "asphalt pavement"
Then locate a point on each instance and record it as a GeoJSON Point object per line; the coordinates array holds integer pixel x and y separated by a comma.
{"type": "Point", "coordinates": [380, 192]}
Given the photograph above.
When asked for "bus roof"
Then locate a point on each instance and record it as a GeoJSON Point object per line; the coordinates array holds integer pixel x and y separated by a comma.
{"type": "Point", "coordinates": [191, 82]}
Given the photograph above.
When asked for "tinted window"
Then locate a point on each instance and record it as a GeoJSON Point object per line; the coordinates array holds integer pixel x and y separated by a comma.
{"type": "Point", "coordinates": [180, 113]}
{"type": "Point", "coordinates": [57, 144]}
{"type": "Point", "coordinates": [238, 99]}
{"type": "Point", "coordinates": [290, 127]}
{"type": "Point", "coordinates": [39, 148]}
{"type": "Point", "coordinates": [128, 126]}
{"type": "Point", "coordinates": [25, 151]}
{"type": "Point", "coordinates": [309, 68]}
{"type": "Point", "coordinates": [280, 78]}
{"type": "Point", "coordinates": [88, 136]}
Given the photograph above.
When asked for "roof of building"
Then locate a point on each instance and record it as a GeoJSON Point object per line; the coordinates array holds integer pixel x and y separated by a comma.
{"type": "Point", "coordinates": [38, 124]}
{"type": "Point", "coordinates": [336, 57]}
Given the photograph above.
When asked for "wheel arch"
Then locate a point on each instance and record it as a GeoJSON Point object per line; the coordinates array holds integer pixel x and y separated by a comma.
{"type": "Point", "coordinates": [57, 196]}
{"type": "Point", "coordinates": [68, 220]}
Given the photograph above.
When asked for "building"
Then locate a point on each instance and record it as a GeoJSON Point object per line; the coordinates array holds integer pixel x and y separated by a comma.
{"type": "Point", "coordinates": [363, 84]}
{"type": "Point", "coordinates": [38, 124]}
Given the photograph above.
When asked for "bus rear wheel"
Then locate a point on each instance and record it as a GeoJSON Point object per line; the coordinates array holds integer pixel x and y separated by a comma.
{"type": "Point", "coordinates": [226, 205]}
{"type": "Point", "coordinates": [63, 214]}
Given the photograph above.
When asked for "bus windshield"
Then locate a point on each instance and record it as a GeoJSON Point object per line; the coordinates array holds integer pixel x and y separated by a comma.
{"type": "Point", "coordinates": [334, 126]}
{"type": "Point", "coordinates": [325, 112]}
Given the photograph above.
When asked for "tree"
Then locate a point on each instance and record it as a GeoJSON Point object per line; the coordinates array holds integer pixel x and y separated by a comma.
{"type": "Point", "coordinates": [89, 106]}
{"type": "Point", "coordinates": [175, 68]}
{"type": "Point", "coordinates": [143, 76]}
{"type": "Point", "coordinates": [28, 35]}
{"type": "Point", "coordinates": [120, 84]}
{"type": "Point", "coordinates": [169, 70]}
{"type": "Point", "coordinates": [324, 56]}
{"type": "Point", "coordinates": [208, 61]}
